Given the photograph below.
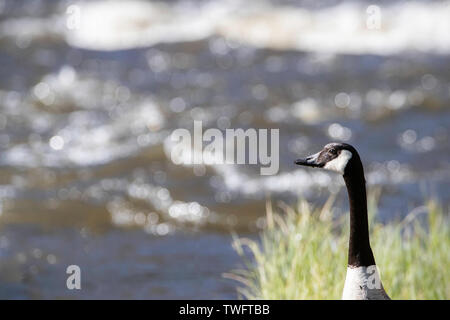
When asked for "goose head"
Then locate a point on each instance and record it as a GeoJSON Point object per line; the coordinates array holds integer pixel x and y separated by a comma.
{"type": "Point", "coordinates": [338, 157]}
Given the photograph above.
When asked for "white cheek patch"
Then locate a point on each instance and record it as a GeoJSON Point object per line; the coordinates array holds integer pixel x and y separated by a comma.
{"type": "Point", "coordinates": [338, 164]}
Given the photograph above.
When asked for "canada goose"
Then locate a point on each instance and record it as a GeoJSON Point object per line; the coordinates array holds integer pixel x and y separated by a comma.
{"type": "Point", "coordinates": [362, 281]}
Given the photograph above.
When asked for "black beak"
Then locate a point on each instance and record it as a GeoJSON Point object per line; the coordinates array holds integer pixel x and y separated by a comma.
{"type": "Point", "coordinates": [311, 161]}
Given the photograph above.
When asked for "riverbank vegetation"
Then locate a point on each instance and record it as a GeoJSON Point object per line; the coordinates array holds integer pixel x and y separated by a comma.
{"type": "Point", "coordinates": [302, 253]}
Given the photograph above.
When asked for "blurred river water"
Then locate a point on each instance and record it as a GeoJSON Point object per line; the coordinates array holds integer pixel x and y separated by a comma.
{"type": "Point", "coordinates": [90, 92]}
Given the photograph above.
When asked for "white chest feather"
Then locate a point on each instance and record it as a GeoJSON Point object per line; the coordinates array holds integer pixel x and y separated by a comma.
{"type": "Point", "coordinates": [363, 283]}
{"type": "Point", "coordinates": [339, 163]}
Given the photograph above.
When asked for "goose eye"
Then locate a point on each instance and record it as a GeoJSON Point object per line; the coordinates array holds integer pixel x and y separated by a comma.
{"type": "Point", "coordinates": [333, 151]}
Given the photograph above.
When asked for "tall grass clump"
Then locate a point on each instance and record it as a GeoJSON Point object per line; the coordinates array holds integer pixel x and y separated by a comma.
{"type": "Point", "coordinates": [302, 254]}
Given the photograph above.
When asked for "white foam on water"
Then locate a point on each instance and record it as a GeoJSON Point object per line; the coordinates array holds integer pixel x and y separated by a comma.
{"type": "Point", "coordinates": [123, 213]}
{"type": "Point", "coordinates": [113, 25]}
{"type": "Point", "coordinates": [344, 28]}
{"type": "Point", "coordinates": [80, 130]}
{"type": "Point", "coordinates": [114, 140]}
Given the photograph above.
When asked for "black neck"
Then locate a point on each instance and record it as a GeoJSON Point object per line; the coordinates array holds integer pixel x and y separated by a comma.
{"type": "Point", "coordinates": [359, 251]}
